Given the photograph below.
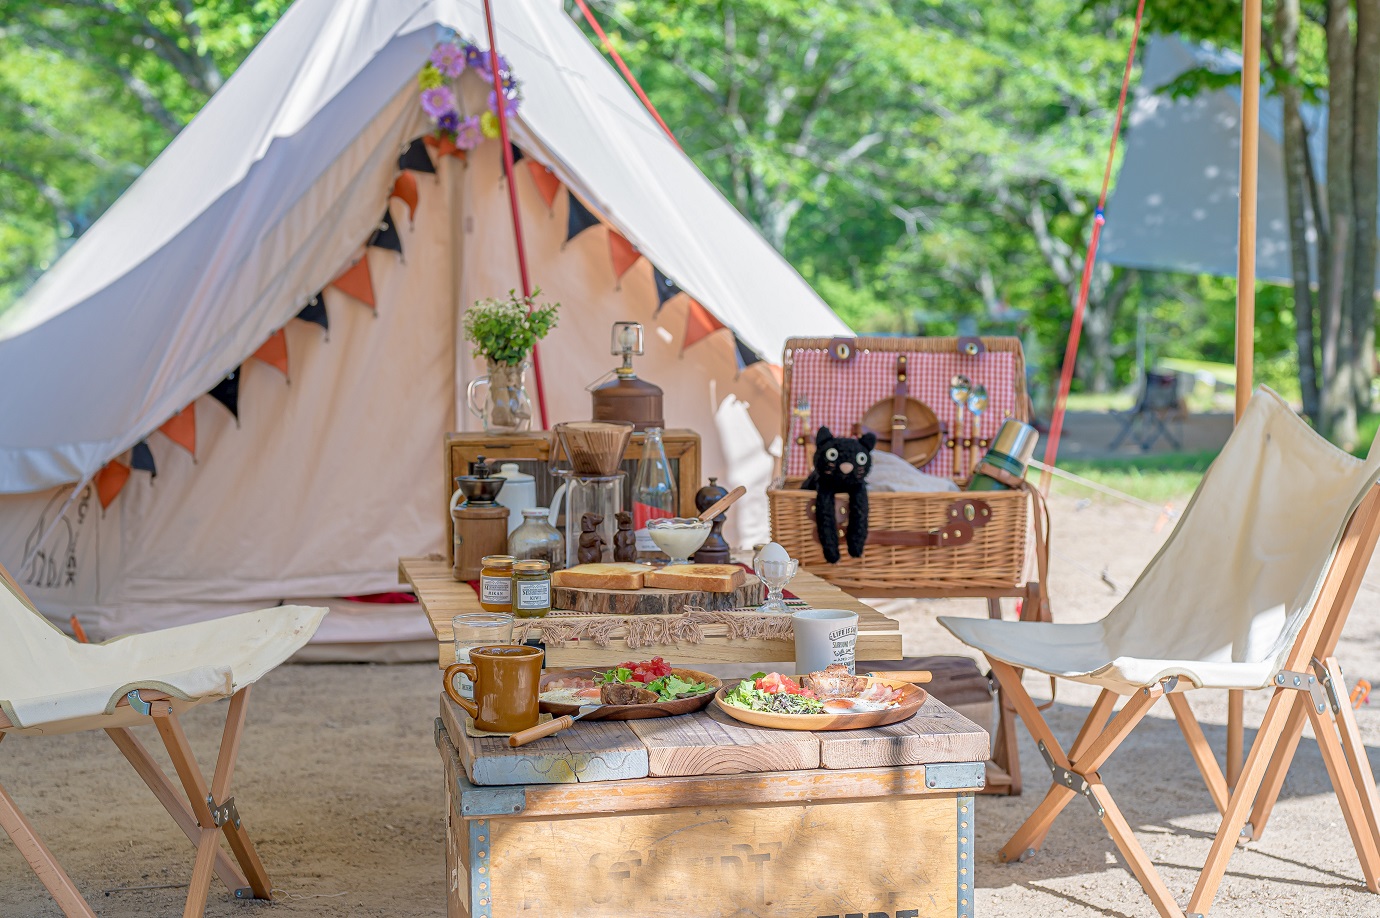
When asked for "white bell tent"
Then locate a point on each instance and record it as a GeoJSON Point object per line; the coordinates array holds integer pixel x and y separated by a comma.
{"type": "Point", "coordinates": [267, 198]}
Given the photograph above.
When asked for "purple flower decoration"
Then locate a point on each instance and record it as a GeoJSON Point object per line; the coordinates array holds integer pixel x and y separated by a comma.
{"type": "Point", "coordinates": [436, 102]}
{"type": "Point", "coordinates": [468, 134]}
{"type": "Point", "coordinates": [510, 103]}
{"type": "Point", "coordinates": [449, 121]}
{"type": "Point", "coordinates": [474, 58]}
{"type": "Point", "coordinates": [449, 59]}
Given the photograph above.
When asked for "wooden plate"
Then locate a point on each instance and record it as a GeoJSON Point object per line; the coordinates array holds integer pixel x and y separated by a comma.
{"type": "Point", "coordinates": [912, 696]}
{"type": "Point", "coordinates": [633, 711]}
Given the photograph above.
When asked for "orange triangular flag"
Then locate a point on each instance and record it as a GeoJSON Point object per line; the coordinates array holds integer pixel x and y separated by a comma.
{"type": "Point", "coordinates": [546, 181]}
{"type": "Point", "coordinates": [357, 282]}
{"type": "Point", "coordinates": [405, 190]}
{"type": "Point", "coordinates": [623, 253]}
{"type": "Point", "coordinates": [699, 324]}
{"type": "Point", "coordinates": [181, 428]}
{"type": "Point", "coordinates": [444, 146]}
{"type": "Point", "coordinates": [110, 480]}
{"type": "Point", "coordinates": [274, 351]}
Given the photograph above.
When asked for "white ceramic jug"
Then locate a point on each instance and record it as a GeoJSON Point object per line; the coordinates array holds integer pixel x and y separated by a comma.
{"type": "Point", "coordinates": [518, 494]}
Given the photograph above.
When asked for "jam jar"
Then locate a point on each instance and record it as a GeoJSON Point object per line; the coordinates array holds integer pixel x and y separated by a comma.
{"type": "Point", "coordinates": [531, 588]}
{"type": "Point", "coordinates": [496, 583]}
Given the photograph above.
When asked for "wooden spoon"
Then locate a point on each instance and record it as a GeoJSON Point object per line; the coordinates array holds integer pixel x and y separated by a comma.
{"type": "Point", "coordinates": [722, 504]}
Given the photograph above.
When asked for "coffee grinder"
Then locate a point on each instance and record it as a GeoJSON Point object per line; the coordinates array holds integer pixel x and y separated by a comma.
{"type": "Point", "coordinates": [625, 397]}
{"type": "Point", "coordinates": [479, 521]}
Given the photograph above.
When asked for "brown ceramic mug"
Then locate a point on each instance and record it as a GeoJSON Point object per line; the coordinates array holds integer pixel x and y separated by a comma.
{"type": "Point", "coordinates": [506, 681]}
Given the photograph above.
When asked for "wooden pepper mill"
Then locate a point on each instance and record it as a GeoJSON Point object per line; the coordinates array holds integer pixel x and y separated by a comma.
{"type": "Point", "coordinates": [715, 548]}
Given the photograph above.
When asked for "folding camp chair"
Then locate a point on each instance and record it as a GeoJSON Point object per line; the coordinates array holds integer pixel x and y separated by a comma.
{"type": "Point", "coordinates": [1251, 591]}
{"type": "Point", "coordinates": [50, 684]}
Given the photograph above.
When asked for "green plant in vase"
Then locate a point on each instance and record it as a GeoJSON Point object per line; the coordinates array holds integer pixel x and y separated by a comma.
{"type": "Point", "coordinates": [504, 332]}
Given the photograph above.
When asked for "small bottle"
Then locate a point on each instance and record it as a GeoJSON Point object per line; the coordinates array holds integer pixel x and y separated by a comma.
{"type": "Point", "coordinates": [537, 539]}
{"type": "Point", "coordinates": [496, 583]}
{"type": "Point", "coordinates": [654, 494]}
{"type": "Point", "coordinates": [531, 589]}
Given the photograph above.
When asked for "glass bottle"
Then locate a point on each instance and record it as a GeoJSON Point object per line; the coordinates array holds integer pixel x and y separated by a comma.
{"type": "Point", "coordinates": [536, 539]}
{"type": "Point", "coordinates": [653, 494]}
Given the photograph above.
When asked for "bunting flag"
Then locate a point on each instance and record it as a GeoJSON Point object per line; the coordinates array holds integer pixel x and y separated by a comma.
{"type": "Point", "coordinates": [357, 282]}
{"type": "Point", "coordinates": [443, 146]}
{"type": "Point", "coordinates": [386, 234]}
{"type": "Point", "coordinates": [699, 324]}
{"type": "Point", "coordinates": [416, 158]}
{"type": "Point", "coordinates": [274, 351]}
{"type": "Point", "coordinates": [517, 153]}
{"type": "Point", "coordinates": [110, 480]}
{"type": "Point", "coordinates": [315, 311]}
{"type": "Point", "coordinates": [665, 289]}
{"type": "Point", "coordinates": [623, 253]}
{"type": "Point", "coordinates": [547, 183]}
{"type": "Point", "coordinates": [405, 190]}
{"type": "Point", "coordinates": [141, 458]}
{"type": "Point", "coordinates": [227, 392]}
{"type": "Point", "coordinates": [181, 429]}
{"type": "Point", "coordinates": [579, 219]}
{"type": "Point", "coordinates": [745, 354]}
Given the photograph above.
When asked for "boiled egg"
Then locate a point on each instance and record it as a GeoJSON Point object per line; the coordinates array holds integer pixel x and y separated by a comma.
{"type": "Point", "coordinates": [774, 552]}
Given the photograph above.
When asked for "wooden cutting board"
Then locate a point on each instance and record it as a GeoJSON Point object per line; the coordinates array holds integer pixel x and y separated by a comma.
{"type": "Point", "coordinates": [656, 602]}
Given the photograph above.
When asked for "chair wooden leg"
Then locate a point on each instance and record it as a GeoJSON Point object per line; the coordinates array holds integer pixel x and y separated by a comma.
{"type": "Point", "coordinates": [41, 859]}
{"type": "Point", "coordinates": [1348, 794]}
{"type": "Point", "coordinates": [1005, 751]}
{"type": "Point", "coordinates": [1273, 781]}
{"type": "Point", "coordinates": [1136, 858]}
{"type": "Point", "coordinates": [1200, 750]}
{"type": "Point", "coordinates": [1361, 772]}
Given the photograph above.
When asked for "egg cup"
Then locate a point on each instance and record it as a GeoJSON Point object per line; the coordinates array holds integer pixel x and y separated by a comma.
{"type": "Point", "coordinates": [775, 574]}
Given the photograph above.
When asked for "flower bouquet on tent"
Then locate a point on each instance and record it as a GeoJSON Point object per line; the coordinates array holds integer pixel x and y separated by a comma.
{"type": "Point", "coordinates": [505, 332]}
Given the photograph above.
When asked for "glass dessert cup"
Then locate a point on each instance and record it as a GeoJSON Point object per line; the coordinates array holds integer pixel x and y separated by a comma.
{"type": "Point", "coordinates": [775, 574]}
{"type": "Point", "coordinates": [679, 537]}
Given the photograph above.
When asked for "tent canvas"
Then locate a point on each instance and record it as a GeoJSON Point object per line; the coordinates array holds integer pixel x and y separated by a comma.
{"type": "Point", "coordinates": [321, 484]}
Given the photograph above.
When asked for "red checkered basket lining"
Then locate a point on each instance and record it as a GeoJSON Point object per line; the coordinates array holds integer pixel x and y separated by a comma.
{"type": "Point", "coordinates": [839, 393]}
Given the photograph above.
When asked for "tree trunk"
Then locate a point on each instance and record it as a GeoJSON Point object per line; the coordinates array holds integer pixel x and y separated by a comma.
{"type": "Point", "coordinates": [1365, 166]}
{"type": "Point", "coordinates": [1338, 400]}
{"type": "Point", "coordinates": [1296, 179]}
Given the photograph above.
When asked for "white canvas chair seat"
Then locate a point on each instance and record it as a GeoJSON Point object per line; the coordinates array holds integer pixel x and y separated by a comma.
{"type": "Point", "coordinates": [50, 683]}
{"type": "Point", "coordinates": [1253, 585]}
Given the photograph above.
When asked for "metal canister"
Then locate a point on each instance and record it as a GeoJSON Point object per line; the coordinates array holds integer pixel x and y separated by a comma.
{"type": "Point", "coordinates": [1010, 452]}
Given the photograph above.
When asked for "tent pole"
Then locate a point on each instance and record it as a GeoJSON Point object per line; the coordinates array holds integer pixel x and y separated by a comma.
{"type": "Point", "coordinates": [1245, 291]}
{"type": "Point", "coordinates": [623, 68]}
{"type": "Point", "coordinates": [512, 193]}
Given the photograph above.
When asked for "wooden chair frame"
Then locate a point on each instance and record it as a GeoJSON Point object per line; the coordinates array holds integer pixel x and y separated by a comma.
{"type": "Point", "coordinates": [1310, 688]}
{"type": "Point", "coordinates": [203, 816]}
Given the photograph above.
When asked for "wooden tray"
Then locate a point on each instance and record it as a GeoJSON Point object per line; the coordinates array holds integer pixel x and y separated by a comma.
{"type": "Point", "coordinates": [650, 601]}
{"type": "Point", "coordinates": [634, 711]}
{"type": "Point", "coordinates": [912, 697]}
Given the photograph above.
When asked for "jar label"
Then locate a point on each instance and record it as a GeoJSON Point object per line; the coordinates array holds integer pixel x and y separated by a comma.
{"type": "Point", "coordinates": [496, 591]}
{"type": "Point", "coordinates": [534, 594]}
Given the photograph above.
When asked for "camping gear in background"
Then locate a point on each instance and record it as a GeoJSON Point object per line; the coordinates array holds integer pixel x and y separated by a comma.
{"type": "Point", "coordinates": [654, 495]}
{"type": "Point", "coordinates": [823, 638]}
{"type": "Point", "coordinates": [775, 568]}
{"type": "Point", "coordinates": [907, 552]}
{"type": "Point", "coordinates": [841, 467]}
{"type": "Point", "coordinates": [1274, 483]}
{"type": "Point", "coordinates": [536, 539]}
{"type": "Point", "coordinates": [1003, 467]}
{"type": "Point", "coordinates": [519, 494]}
{"type": "Point", "coordinates": [50, 684]}
{"type": "Point", "coordinates": [506, 679]}
{"type": "Point", "coordinates": [1160, 400]}
{"type": "Point", "coordinates": [480, 523]}
{"type": "Point", "coordinates": [476, 629]}
{"type": "Point", "coordinates": [626, 397]}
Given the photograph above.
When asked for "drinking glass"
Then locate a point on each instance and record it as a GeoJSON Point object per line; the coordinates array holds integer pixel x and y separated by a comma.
{"type": "Point", "coordinates": [475, 629]}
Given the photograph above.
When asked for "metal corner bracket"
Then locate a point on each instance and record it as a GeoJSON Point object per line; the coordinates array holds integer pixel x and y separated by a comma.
{"type": "Point", "coordinates": [956, 775]}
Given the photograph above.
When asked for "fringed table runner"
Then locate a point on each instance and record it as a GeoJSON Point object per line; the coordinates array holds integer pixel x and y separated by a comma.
{"type": "Point", "coordinates": [690, 627]}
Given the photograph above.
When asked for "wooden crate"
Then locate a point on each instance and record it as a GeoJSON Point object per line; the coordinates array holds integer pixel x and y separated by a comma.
{"type": "Point", "coordinates": [532, 452]}
{"type": "Point", "coordinates": [732, 821]}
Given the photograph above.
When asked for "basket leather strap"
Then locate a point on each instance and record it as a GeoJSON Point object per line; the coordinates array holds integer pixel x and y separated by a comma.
{"type": "Point", "coordinates": [898, 407]}
{"type": "Point", "coordinates": [907, 433]}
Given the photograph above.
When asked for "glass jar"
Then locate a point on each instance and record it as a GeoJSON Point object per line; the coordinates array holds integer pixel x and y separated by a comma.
{"type": "Point", "coordinates": [537, 540]}
{"type": "Point", "coordinates": [496, 583]}
{"type": "Point", "coordinates": [531, 588]}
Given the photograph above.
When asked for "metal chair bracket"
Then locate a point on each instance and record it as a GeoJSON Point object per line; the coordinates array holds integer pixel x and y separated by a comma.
{"type": "Point", "coordinates": [225, 813]}
{"type": "Point", "coordinates": [1335, 692]}
{"type": "Point", "coordinates": [137, 702]}
{"type": "Point", "coordinates": [1071, 779]}
{"type": "Point", "coordinates": [1304, 682]}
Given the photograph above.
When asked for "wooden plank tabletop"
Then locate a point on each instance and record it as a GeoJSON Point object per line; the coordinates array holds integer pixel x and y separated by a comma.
{"type": "Point", "coordinates": [710, 742]}
{"type": "Point", "coordinates": [442, 598]}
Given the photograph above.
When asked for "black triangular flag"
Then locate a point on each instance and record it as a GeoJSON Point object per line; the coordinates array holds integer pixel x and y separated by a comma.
{"type": "Point", "coordinates": [416, 158]}
{"type": "Point", "coordinates": [386, 236]}
{"type": "Point", "coordinates": [517, 153]}
{"type": "Point", "coordinates": [141, 458]}
{"type": "Point", "coordinates": [580, 219]}
{"type": "Point", "coordinates": [665, 289]}
{"type": "Point", "coordinates": [227, 392]}
{"type": "Point", "coordinates": [315, 311]}
{"type": "Point", "coordinates": [746, 355]}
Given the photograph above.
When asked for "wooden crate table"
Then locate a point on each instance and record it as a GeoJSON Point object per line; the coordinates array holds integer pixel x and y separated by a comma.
{"type": "Point", "coordinates": [700, 815]}
{"type": "Point", "coordinates": [442, 598]}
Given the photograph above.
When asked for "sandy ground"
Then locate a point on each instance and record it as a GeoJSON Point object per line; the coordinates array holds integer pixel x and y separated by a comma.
{"type": "Point", "coordinates": [340, 783]}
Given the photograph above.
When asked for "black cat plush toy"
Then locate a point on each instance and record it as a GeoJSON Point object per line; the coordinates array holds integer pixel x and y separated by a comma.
{"type": "Point", "coordinates": [841, 467]}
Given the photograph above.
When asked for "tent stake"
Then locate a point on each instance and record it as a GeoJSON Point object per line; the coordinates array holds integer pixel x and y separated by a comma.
{"type": "Point", "coordinates": [501, 100]}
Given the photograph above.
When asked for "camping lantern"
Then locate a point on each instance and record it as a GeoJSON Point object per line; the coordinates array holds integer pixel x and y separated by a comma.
{"type": "Point", "coordinates": [625, 397]}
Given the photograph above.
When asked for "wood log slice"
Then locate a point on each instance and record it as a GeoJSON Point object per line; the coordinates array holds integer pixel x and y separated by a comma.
{"type": "Point", "coordinates": [656, 602]}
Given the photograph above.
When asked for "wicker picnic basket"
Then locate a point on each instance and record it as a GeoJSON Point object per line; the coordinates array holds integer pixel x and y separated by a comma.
{"type": "Point", "coordinates": [832, 382]}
